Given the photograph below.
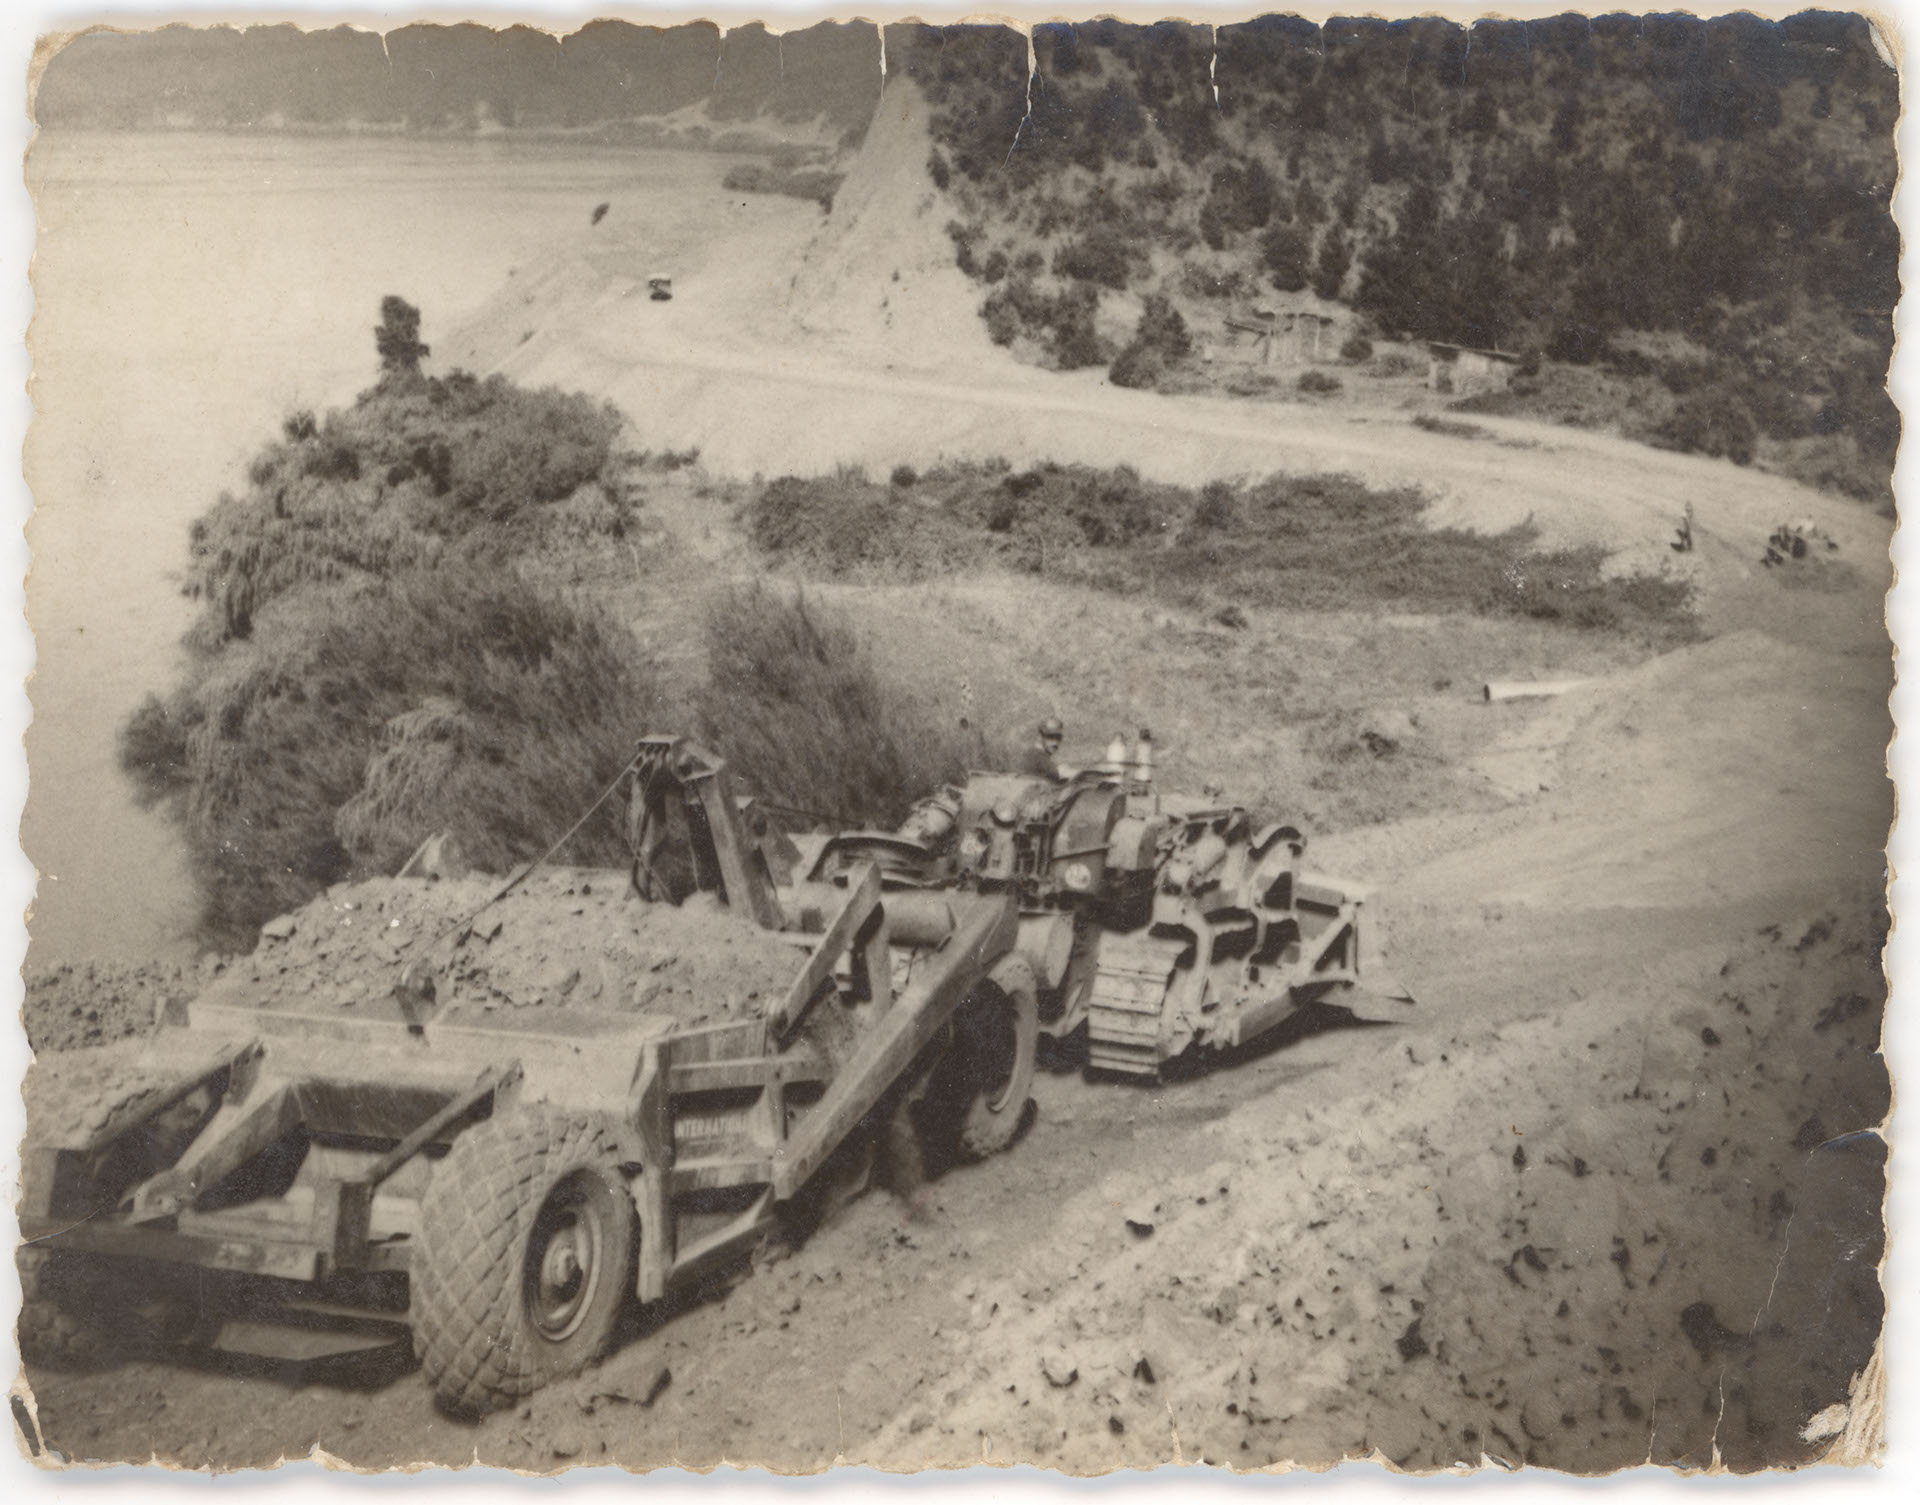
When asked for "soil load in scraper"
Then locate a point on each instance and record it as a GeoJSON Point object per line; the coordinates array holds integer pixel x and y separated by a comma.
{"type": "Point", "coordinates": [479, 1122]}
{"type": "Point", "coordinates": [1156, 926]}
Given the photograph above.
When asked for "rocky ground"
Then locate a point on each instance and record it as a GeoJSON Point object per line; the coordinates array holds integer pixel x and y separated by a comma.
{"type": "Point", "coordinates": [71, 1007]}
{"type": "Point", "coordinates": [563, 938]}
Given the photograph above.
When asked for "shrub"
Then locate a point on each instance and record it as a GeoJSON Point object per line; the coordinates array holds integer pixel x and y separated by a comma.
{"type": "Point", "coordinates": [396, 340]}
{"type": "Point", "coordinates": [1200, 281]}
{"type": "Point", "coordinates": [1216, 508]}
{"type": "Point", "coordinates": [1356, 348]}
{"type": "Point", "coordinates": [1286, 255]}
{"type": "Point", "coordinates": [1452, 427]}
{"type": "Point", "coordinates": [364, 716]}
{"type": "Point", "coordinates": [1318, 383]}
{"type": "Point", "coordinates": [843, 524]}
{"type": "Point", "coordinates": [412, 471]}
{"type": "Point", "coordinates": [1159, 340]}
{"type": "Point", "coordinates": [1062, 324]}
{"type": "Point", "coordinates": [1711, 422]}
{"type": "Point", "coordinates": [793, 695]}
{"type": "Point", "coordinates": [1102, 256]}
{"type": "Point", "coordinates": [1162, 327]}
{"type": "Point", "coordinates": [1137, 366]}
{"type": "Point", "coordinates": [1002, 315]}
{"type": "Point", "coordinates": [1075, 342]}
{"type": "Point", "coordinates": [904, 476]}
{"type": "Point", "coordinates": [1330, 266]}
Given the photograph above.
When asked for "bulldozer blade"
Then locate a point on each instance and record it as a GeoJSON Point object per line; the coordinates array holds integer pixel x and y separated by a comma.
{"type": "Point", "coordinates": [307, 1350]}
{"type": "Point", "coordinates": [1377, 1000]}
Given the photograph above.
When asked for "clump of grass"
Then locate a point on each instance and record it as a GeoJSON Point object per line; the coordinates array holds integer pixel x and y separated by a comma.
{"type": "Point", "coordinates": [794, 698]}
{"type": "Point", "coordinates": [361, 719]}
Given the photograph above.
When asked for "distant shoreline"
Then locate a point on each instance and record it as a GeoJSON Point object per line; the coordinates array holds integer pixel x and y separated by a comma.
{"type": "Point", "coordinates": [652, 132]}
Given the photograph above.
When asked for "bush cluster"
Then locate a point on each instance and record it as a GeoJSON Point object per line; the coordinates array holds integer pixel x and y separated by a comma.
{"type": "Point", "coordinates": [1324, 542]}
{"type": "Point", "coordinates": [418, 470]}
{"type": "Point", "coordinates": [793, 696]}
{"type": "Point", "coordinates": [1061, 323]}
{"type": "Point", "coordinates": [369, 668]}
{"type": "Point", "coordinates": [364, 716]}
{"type": "Point", "coordinates": [1160, 342]}
{"type": "Point", "coordinates": [1727, 181]}
{"type": "Point", "coordinates": [1711, 422]}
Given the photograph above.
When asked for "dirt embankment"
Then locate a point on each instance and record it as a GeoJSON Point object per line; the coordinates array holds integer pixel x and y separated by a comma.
{"type": "Point", "coordinates": [1639, 1227]}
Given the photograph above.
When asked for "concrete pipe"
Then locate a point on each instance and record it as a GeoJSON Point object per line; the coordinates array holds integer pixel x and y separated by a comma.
{"type": "Point", "coordinates": [1528, 689]}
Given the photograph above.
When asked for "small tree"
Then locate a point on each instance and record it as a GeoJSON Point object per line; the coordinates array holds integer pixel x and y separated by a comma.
{"type": "Point", "coordinates": [1159, 340]}
{"type": "Point", "coordinates": [1330, 268]}
{"type": "Point", "coordinates": [398, 340]}
{"type": "Point", "coordinates": [1287, 258]}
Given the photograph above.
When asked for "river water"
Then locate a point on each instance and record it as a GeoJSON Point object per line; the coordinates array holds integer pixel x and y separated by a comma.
{"type": "Point", "coordinates": [190, 291]}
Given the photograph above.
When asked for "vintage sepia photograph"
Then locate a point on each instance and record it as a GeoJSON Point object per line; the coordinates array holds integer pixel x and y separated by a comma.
{"type": "Point", "coordinates": [930, 741]}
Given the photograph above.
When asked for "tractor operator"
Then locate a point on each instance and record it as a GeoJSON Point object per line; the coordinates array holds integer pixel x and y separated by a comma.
{"type": "Point", "coordinates": [1043, 758]}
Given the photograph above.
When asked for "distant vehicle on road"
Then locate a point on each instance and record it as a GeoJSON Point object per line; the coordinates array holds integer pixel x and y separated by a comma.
{"type": "Point", "coordinates": [660, 288]}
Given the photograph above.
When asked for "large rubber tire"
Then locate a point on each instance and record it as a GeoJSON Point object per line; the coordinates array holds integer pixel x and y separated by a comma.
{"type": "Point", "coordinates": [524, 1260]}
{"type": "Point", "coordinates": [997, 1037]}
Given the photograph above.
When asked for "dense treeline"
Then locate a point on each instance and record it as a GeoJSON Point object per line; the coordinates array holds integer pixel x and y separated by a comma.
{"type": "Point", "coordinates": [1558, 187]}
{"type": "Point", "coordinates": [428, 77]}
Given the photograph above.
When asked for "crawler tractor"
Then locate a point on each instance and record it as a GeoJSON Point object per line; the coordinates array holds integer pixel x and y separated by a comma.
{"type": "Point", "coordinates": [288, 1167]}
{"type": "Point", "coordinates": [1155, 925]}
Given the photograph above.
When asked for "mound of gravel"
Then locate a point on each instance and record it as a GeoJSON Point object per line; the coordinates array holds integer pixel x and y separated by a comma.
{"type": "Point", "coordinates": [566, 938]}
{"type": "Point", "coordinates": [80, 1005]}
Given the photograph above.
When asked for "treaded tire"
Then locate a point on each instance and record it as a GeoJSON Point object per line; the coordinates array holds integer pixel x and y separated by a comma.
{"type": "Point", "coordinates": [491, 1320]}
{"type": "Point", "coordinates": [997, 1041]}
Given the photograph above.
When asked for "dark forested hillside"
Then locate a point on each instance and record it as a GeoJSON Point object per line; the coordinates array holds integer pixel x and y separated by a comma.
{"type": "Point", "coordinates": [431, 77]}
{"type": "Point", "coordinates": [1557, 189]}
